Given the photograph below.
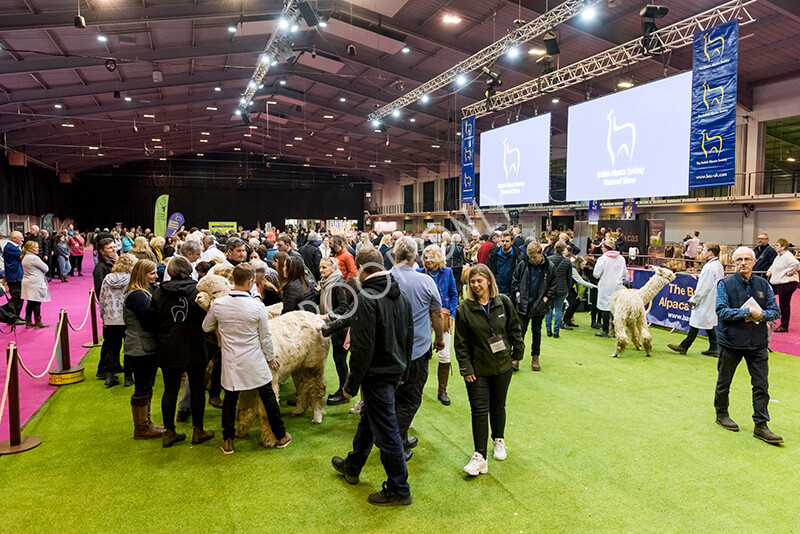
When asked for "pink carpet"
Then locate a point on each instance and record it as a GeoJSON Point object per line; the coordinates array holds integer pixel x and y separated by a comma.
{"type": "Point", "coordinates": [36, 346]}
{"type": "Point", "coordinates": [789, 342]}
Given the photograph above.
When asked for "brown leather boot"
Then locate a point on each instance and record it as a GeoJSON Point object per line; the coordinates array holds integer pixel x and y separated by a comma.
{"type": "Point", "coordinates": [444, 375]}
{"type": "Point", "coordinates": [150, 421]}
{"type": "Point", "coordinates": [141, 426]}
{"type": "Point", "coordinates": [535, 363]}
{"type": "Point", "coordinates": [39, 324]}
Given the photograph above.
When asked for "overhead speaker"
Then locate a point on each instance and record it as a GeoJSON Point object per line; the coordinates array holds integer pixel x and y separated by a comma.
{"type": "Point", "coordinates": [246, 117]}
{"type": "Point", "coordinates": [79, 21]}
{"type": "Point", "coordinates": [551, 43]}
{"type": "Point", "coordinates": [308, 14]}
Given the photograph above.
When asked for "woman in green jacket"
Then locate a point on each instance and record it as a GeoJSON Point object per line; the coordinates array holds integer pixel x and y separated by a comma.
{"type": "Point", "coordinates": [487, 338]}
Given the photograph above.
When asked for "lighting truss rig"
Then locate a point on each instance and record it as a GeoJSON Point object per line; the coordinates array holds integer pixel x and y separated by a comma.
{"type": "Point", "coordinates": [524, 33]}
{"type": "Point", "coordinates": [664, 40]}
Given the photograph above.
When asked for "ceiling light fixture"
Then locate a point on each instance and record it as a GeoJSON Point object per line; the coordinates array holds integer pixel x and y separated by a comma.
{"type": "Point", "coordinates": [102, 38]}
{"type": "Point", "coordinates": [282, 82]}
{"type": "Point", "coordinates": [461, 79]}
{"type": "Point", "coordinates": [156, 139]}
{"type": "Point", "coordinates": [232, 28]}
{"type": "Point", "coordinates": [149, 116]}
{"type": "Point", "coordinates": [94, 148]}
{"type": "Point", "coordinates": [405, 50]}
{"type": "Point", "coordinates": [424, 99]}
{"type": "Point", "coordinates": [238, 111]}
{"type": "Point", "coordinates": [248, 135]}
{"type": "Point", "coordinates": [271, 102]}
{"type": "Point", "coordinates": [451, 19]}
{"type": "Point", "coordinates": [204, 140]}
{"type": "Point", "coordinates": [340, 149]}
{"type": "Point", "coordinates": [298, 138]}
{"type": "Point", "coordinates": [67, 125]}
{"type": "Point", "coordinates": [128, 99]}
{"type": "Point", "coordinates": [342, 99]}
{"type": "Point", "coordinates": [218, 89]}
{"type": "Point", "coordinates": [790, 159]}
{"type": "Point", "coordinates": [327, 116]}
{"type": "Point", "coordinates": [253, 127]}
{"type": "Point", "coordinates": [412, 119]}
{"type": "Point", "coordinates": [237, 149]}
{"type": "Point", "coordinates": [57, 106]}
{"type": "Point", "coordinates": [289, 144]}
{"type": "Point", "coordinates": [513, 52]}
{"type": "Point", "coordinates": [396, 113]}
{"type": "Point", "coordinates": [200, 154]}
{"type": "Point", "coordinates": [435, 146]}
{"type": "Point", "coordinates": [211, 108]}
{"type": "Point", "coordinates": [536, 52]}
{"type": "Point", "coordinates": [157, 146]}
{"type": "Point", "coordinates": [205, 133]}
{"type": "Point", "coordinates": [588, 13]}
{"type": "Point", "coordinates": [555, 100]}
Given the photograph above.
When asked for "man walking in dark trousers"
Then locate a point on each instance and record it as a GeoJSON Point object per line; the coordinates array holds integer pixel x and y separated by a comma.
{"type": "Point", "coordinates": [382, 340]}
{"type": "Point", "coordinates": [745, 304]}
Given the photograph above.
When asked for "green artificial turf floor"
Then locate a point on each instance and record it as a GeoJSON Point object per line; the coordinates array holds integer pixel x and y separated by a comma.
{"type": "Point", "coordinates": [595, 444]}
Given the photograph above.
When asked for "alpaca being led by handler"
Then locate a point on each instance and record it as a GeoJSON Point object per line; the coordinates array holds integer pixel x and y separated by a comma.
{"type": "Point", "coordinates": [628, 310]}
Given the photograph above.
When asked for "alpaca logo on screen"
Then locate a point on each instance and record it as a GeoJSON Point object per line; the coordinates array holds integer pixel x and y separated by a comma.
{"type": "Point", "coordinates": [620, 137]}
{"type": "Point", "coordinates": [511, 159]}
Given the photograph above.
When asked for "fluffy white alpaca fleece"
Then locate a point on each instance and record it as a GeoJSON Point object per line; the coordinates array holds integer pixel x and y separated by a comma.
{"type": "Point", "coordinates": [628, 310]}
{"type": "Point", "coordinates": [302, 352]}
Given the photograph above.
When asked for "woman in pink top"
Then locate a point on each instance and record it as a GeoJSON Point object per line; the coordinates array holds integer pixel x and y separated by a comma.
{"type": "Point", "coordinates": [76, 253]}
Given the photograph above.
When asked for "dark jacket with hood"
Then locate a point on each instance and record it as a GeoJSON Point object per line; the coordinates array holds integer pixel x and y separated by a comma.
{"type": "Point", "coordinates": [563, 269]}
{"type": "Point", "coordinates": [178, 325]}
{"type": "Point", "coordinates": [381, 334]}
{"type": "Point", "coordinates": [474, 330]}
{"type": "Point", "coordinates": [548, 286]}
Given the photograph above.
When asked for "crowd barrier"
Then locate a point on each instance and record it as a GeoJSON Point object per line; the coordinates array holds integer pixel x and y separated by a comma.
{"type": "Point", "coordinates": [64, 374]}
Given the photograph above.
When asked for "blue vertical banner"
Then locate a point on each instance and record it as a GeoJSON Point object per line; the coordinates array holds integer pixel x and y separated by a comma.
{"type": "Point", "coordinates": [594, 211]}
{"type": "Point", "coordinates": [712, 153]}
{"type": "Point", "coordinates": [468, 160]}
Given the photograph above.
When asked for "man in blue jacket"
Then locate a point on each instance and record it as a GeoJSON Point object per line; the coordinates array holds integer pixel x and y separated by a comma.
{"type": "Point", "coordinates": [13, 266]}
{"type": "Point", "coordinates": [742, 332]}
{"type": "Point", "coordinates": [502, 261]}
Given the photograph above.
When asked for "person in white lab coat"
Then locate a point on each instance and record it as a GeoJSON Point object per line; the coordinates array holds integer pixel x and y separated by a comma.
{"type": "Point", "coordinates": [703, 302]}
{"type": "Point", "coordinates": [609, 270]}
{"type": "Point", "coordinates": [247, 354]}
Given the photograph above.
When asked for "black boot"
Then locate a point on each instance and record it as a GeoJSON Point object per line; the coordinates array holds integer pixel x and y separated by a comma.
{"type": "Point", "coordinates": [765, 434]}
{"type": "Point", "coordinates": [111, 380]}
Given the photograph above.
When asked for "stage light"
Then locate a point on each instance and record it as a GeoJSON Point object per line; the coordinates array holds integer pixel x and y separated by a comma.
{"type": "Point", "coordinates": [396, 113]}
{"type": "Point", "coordinates": [376, 123]}
{"type": "Point", "coordinates": [551, 43]}
{"type": "Point", "coordinates": [625, 83]}
{"type": "Point", "coordinates": [111, 65]}
{"type": "Point", "coordinates": [351, 49]}
{"type": "Point", "coordinates": [242, 101]}
{"type": "Point", "coordinates": [295, 27]}
{"type": "Point", "coordinates": [513, 52]}
{"type": "Point", "coordinates": [461, 79]}
{"type": "Point", "coordinates": [238, 111]}
{"type": "Point", "coordinates": [555, 100]}
{"type": "Point", "coordinates": [536, 52]}
{"type": "Point", "coordinates": [251, 84]}
{"type": "Point", "coordinates": [588, 13]}
{"type": "Point", "coordinates": [546, 62]}
{"type": "Point", "coordinates": [649, 15]}
{"type": "Point", "coordinates": [323, 24]}
{"type": "Point", "coordinates": [264, 59]}
{"type": "Point", "coordinates": [424, 99]}
{"type": "Point", "coordinates": [283, 23]}
{"type": "Point", "coordinates": [245, 115]}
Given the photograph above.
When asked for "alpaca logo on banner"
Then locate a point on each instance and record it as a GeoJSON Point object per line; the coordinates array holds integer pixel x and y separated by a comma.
{"type": "Point", "coordinates": [710, 90]}
{"type": "Point", "coordinates": [710, 143]}
{"type": "Point", "coordinates": [620, 137]}
{"type": "Point", "coordinates": [511, 159]}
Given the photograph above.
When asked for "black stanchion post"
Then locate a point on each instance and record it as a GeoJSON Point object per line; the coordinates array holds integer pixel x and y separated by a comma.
{"type": "Point", "coordinates": [69, 374]}
{"type": "Point", "coordinates": [16, 443]}
{"type": "Point", "coordinates": [95, 339]}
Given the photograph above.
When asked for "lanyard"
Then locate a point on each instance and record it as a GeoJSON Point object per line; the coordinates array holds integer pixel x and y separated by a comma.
{"type": "Point", "coordinates": [486, 309]}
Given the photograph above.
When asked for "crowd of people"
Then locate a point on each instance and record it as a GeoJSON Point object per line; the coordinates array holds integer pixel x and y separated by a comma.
{"type": "Point", "coordinates": [389, 301]}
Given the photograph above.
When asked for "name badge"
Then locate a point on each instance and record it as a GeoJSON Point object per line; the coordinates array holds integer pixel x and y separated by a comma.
{"type": "Point", "coordinates": [497, 344]}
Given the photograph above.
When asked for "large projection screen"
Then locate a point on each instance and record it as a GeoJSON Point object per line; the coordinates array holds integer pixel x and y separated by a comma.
{"type": "Point", "coordinates": [631, 144]}
{"type": "Point", "coordinates": [515, 163]}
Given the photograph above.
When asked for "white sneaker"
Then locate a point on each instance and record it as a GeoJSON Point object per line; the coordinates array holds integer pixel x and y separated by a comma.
{"type": "Point", "coordinates": [499, 449]}
{"type": "Point", "coordinates": [477, 465]}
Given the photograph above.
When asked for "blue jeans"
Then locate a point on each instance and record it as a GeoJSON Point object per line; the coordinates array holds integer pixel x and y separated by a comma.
{"type": "Point", "coordinates": [378, 426]}
{"type": "Point", "coordinates": [558, 304]}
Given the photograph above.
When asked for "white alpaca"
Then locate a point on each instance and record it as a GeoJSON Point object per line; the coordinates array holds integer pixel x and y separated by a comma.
{"type": "Point", "coordinates": [302, 352]}
{"type": "Point", "coordinates": [628, 310]}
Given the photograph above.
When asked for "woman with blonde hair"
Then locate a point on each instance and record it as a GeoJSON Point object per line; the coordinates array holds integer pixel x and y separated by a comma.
{"type": "Point", "coordinates": [488, 338]}
{"type": "Point", "coordinates": [434, 260]}
{"type": "Point", "coordinates": [34, 284]}
{"type": "Point", "coordinates": [157, 246]}
{"type": "Point", "coordinates": [111, 301]}
{"type": "Point", "coordinates": [142, 250]}
{"type": "Point", "coordinates": [140, 346]}
{"type": "Point", "coordinates": [333, 304]}
{"type": "Point", "coordinates": [784, 278]}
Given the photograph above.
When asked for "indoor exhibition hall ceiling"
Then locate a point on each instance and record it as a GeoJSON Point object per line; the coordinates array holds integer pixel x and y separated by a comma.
{"type": "Point", "coordinates": [160, 79]}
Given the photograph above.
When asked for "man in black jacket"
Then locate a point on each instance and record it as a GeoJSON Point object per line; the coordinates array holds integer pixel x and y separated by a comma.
{"type": "Point", "coordinates": [534, 285]}
{"type": "Point", "coordinates": [502, 261]}
{"type": "Point", "coordinates": [765, 255]}
{"type": "Point", "coordinates": [382, 338]}
{"type": "Point", "coordinates": [563, 268]}
{"type": "Point", "coordinates": [107, 256]}
{"type": "Point", "coordinates": [312, 255]}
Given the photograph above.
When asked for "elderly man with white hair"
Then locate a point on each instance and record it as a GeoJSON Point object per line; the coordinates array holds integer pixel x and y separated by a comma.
{"type": "Point", "coordinates": [388, 254]}
{"type": "Point", "coordinates": [210, 249]}
{"type": "Point", "coordinates": [426, 310]}
{"type": "Point", "coordinates": [745, 304]}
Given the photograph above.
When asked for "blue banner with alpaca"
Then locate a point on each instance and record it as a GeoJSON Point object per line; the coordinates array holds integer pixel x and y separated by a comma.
{"type": "Point", "coordinates": [468, 160]}
{"type": "Point", "coordinates": [712, 152]}
{"type": "Point", "coordinates": [670, 307]}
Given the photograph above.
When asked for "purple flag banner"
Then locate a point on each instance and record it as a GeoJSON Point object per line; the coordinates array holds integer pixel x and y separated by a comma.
{"type": "Point", "coordinates": [175, 222]}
